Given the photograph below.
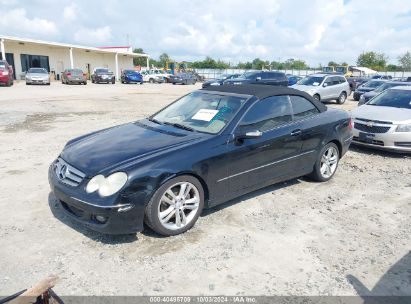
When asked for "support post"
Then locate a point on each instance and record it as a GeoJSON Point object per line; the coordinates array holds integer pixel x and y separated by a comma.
{"type": "Point", "coordinates": [148, 63]}
{"type": "Point", "coordinates": [71, 58]}
{"type": "Point", "coordinates": [3, 51]}
{"type": "Point", "coordinates": [117, 66]}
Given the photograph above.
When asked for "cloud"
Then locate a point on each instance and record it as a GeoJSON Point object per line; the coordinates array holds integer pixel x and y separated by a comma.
{"type": "Point", "coordinates": [93, 36]}
{"type": "Point", "coordinates": [16, 21]}
{"type": "Point", "coordinates": [70, 13]}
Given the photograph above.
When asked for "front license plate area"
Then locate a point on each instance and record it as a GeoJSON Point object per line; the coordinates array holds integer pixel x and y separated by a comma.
{"type": "Point", "coordinates": [366, 137]}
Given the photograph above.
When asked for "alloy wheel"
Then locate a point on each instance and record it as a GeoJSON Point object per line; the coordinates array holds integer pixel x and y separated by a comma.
{"type": "Point", "coordinates": [178, 205]}
{"type": "Point", "coordinates": [329, 162]}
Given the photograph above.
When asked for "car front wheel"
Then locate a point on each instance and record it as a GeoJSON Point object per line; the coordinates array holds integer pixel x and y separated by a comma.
{"type": "Point", "coordinates": [327, 163]}
{"type": "Point", "coordinates": [317, 97]}
{"type": "Point", "coordinates": [175, 206]}
{"type": "Point", "coordinates": [342, 98]}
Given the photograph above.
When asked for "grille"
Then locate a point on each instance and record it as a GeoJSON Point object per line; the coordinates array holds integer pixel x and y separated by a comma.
{"type": "Point", "coordinates": [68, 174]}
{"type": "Point", "coordinates": [371, 129]}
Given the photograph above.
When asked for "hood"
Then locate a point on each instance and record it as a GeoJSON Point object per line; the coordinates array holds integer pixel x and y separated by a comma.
{"type": "Point", "coordinates": [230, 81]}
{"type": "Point", "coordinates": [394, 115]}
{"type": "Point", "coordinates": [106, 149]}
{"type": "Point", "coordinates": [365, 89]}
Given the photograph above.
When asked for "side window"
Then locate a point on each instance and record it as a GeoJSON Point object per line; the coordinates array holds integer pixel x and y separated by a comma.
{"type": "Point", "coordinates": [268, 114]}
{"type": "Point", "coordinates": [302, 107]}
{"type": "Point", "coordinates": [342, 79]}
{"type": "Point", "coordinates": [329, 81]}
{"type": "Point", "coordinates": [335, 80]}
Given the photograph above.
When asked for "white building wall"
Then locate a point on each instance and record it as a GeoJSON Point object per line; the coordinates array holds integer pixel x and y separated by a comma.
{"type": "Point", "coordinates": [59, 57]}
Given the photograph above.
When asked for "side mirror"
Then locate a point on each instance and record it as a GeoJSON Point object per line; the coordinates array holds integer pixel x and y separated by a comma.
{"type": "Point", "coordinates": [258, 79]}
{"type": "Point", "coordinates": [325, 85]}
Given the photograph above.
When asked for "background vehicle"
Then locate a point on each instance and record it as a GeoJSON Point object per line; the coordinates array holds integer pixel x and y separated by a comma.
{"type": "Point", "coordinates": [247, 137]}
{"type": "Point", "coordinates": [219, 80]}
{"type": "Point", "coordinates": [183, 78]}
{"type": "Point", "coordinates": [152, 78]}
{"type": "Point", "coordinates": [355, 82]}
{"type": "Point", "coordinates": [389, 84]}
{"type": "Point", "coordinates": [387, 77]}
{"type": "Point", "coordinates": [70, 76]}
{"type": "Point", "coordinates": [103, 75]}
{"type": "Point", "coordinates": [6, 73]}
{"type": "Point", "coordinates": [260, 77]}
{"type": "Point", "coordinates": [160, 73]}
{"type": "Point", "coordinates": [292, 79]}
{"type": "Point", "coordinates": [37, 76]}
{"type": "Point", "coordinates": [131, 76]}
{"type": "Point", "coordinates": [325, 87]}
{"type": "Point", "coordinates": [367, 87]}
{"type": "Point", "coordinates": [385, 121]}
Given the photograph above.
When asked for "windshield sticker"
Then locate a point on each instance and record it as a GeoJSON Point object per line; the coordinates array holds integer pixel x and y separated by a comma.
{"type": "Point", "coordinates": [205, 114]}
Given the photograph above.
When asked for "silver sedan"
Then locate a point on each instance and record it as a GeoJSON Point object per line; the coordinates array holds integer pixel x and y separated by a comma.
{"type": "Point", "coordinates": [37, 76]}
{"type": "Point", "coordinates": [385, 121]}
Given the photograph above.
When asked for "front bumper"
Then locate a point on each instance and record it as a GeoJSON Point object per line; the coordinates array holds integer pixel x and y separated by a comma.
{"type": "Point", "coordinates": [101, 79]}
{"type": "Point", "coordinates": [80, 207]}
{"type": "Point", "coordinates": [391, 140]}
{"type": "Point", "coordinates": [4, 78]}
{"type": "Point", "coordinates": [38, 81]}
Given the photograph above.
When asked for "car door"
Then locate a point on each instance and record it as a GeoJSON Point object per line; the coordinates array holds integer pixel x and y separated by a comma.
{"type": "Point", "coordinates": [307, 118]}
{"type": "Point", "coordinates": [254, 163]}
{"type": "Point", "coordinates": [327, 88]}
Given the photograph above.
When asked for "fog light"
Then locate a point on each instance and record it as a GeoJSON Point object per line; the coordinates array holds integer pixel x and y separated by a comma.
{"type": "Point", "coordinates": [101, 219]}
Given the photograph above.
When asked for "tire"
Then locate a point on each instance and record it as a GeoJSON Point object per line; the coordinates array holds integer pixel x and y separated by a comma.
{"type": "Point", "coordinates": [151, 80]}
{"type": "Point", "coordinates": [174, 83]}
{"type": "Point", "coordinates": [85, 82]}
{"type": "Point", "coordinates": [194, 82]}
{"type": "Point", "coordinates": [8, 83]}
{"type": "Point", "coordinates": [317, 97]}
{"type": "Point", "coordinates": [342, 98]}
{"type": "Point", "coordinates": [113, 81]}
{"type": "Point", "coordinates": [92, 80]}
{"type": "Point", "coordinates": [158, 203]}
{"type": "Point", "coordinates": [320, 172]}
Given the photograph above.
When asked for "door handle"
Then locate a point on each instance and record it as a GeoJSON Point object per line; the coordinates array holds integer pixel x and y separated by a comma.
{"type": "Point", "coordinates": [296, 132]}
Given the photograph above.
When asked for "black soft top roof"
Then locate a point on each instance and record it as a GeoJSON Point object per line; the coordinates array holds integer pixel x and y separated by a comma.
{"type": "Point", "coordinates": [264, 91]}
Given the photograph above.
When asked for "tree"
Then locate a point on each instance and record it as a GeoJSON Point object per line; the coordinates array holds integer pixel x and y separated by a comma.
{"type": "Point", "coordinates": [373, 60]}
{"type": "Point", "coordinates": [405, 61]}
{"type": "Point", "coordinates": [333, 63]}
{"type": "Point", "coordinates": [141, 61]}
{"type": "Point", "coordinates": [164, 59]}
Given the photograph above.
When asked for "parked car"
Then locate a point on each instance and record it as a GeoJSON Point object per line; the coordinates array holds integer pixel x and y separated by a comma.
{"type": "Point", "coordinates": [385, 121]}
{"type": "Point", "coordinates": [197, 76]}
{"type": "Point", "coordinates": [389, 84]}
{"type": "Point", "coordinates": [152, 78]}
{"type": "Point", "coordinates": [131, 76]}
{"type": "Point", "coordinates": [37, 76]}
{"type": "Point", "coordinates": [260, 77]}
{"type": "Point", "coordinates": [183, 78]}
{"type": "Point", "coordinates": [204, 149]}
{"type": "Point", "coordinates": [160, 73]}
{"type": "Point", "coordinates": [325, 87]}
{"type": "Point", "coordinates": [367, 87]}
{"type": "Point", "coordinates": [293, 79]}
{"type": "Point", "coordinates": [70, 76]}
{"type": "Point", "coordinates": [355, 82]}
{"type": "Point", "coordinates": [6, 73]}
{"type": "Point", "coordinates": [219, 80]}
{"type": "Point", "coordinates": [103, 75]}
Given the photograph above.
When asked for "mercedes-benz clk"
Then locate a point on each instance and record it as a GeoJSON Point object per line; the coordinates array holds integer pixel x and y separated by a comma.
{"type": "Point", "coordinates": [206, 148]}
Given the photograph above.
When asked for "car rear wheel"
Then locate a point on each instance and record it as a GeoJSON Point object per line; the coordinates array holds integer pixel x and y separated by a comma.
{"type": "Point", "coordinates": [151, 80]}
{"type": "Point", "coordinates": [327, 163]}
{"type": "Point", "coordinates": [175, 206]}
{"type": "Point", "coordinates": [317, 97]}
{"type": "Point", "coordinates": [342, 98]}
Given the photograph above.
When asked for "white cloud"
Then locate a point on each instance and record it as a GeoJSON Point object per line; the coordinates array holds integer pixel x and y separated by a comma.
{"type": "Point", "coordinates": [17, 22]}
{"type": "Point", "coordinates": [70, 12]}
{"type": "Point", "coordinates": [93, 36]}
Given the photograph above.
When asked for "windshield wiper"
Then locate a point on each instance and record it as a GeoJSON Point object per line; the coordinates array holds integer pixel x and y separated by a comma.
{"type": "Point", "coordinates": [155, 120]}
{"type": "Point", "coordinates": [180, 126]}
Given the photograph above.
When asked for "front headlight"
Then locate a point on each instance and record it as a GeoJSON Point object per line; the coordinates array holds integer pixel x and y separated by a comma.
{"type": "Point", "coordinates": [362, 98]}
{"type": "Point", "coordinates": [403, 128]}
{"type": "Point", "coordinates": [107, 186]}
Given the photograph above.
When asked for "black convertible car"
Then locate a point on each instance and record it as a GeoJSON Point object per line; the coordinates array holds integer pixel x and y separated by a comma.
{"type": "Point", "coordinates": [206, 148]}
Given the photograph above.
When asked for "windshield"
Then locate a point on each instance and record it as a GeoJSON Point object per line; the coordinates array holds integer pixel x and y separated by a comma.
{"type": "Point", "coordinates": [37, 71]}
{"type": "Point", "coordinates": [75, 72]}
{"type": "Point", "coordinates": [341, 69]}
{"type": "Point", "coordinates": [222, 77]}
{"type": "Point", "coordinates": [2, 65]}
{"type": "Point", "coordinates": [372, 84]}
{"type": "Point", "coordinates": [392, 98]}
{"type": "Point", "coordinates": [386, 86]}
{"type": "Point", "coordinates": [202, 112]}
{"type": "Point", "coordinates": [311, 81]}
{"type": "Point", "coordinates": [130, 72]}
{"type": "Point", "coordinates": [102, 71]}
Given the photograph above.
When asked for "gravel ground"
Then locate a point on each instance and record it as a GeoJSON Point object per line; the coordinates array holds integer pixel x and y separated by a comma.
{"type": "Point", "coordinates": [294, 238]}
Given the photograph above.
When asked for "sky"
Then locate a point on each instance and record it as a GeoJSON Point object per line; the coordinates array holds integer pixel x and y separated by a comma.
{"type": "Point", "coordinates": [316, 31]}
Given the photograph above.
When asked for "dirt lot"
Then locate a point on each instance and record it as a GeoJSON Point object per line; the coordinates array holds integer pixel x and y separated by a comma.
{"type": "Point", "coordinates": [295, 238]}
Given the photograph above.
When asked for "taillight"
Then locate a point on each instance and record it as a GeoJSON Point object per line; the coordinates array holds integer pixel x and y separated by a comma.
{"type": "Point", "coordinates": [68, 74]}
{"type": "Point", "coordinates": [84, 74]}
{"type": "Point", "coordinates": [350, 124]}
